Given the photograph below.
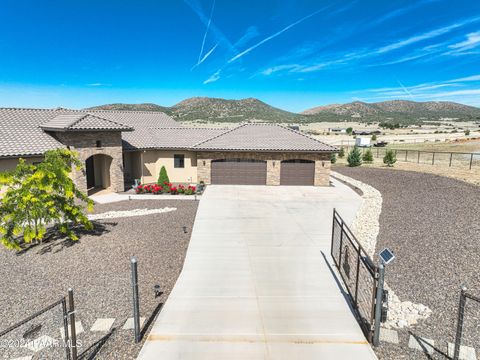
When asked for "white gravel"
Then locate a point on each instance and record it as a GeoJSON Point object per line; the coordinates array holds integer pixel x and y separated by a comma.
{"type": "Point", "coordinates": [129, 213]}
{"type": "Point", "coordinates": [366, 227]}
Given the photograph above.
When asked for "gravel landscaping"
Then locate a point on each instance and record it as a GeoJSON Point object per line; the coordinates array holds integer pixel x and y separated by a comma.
{"type": "Point", "coordinates": [432, 225]}
{"type": "Point", "coordinates": [97, 267]}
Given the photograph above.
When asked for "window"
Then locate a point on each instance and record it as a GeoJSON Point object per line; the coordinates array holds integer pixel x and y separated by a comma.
{"type": "Point", "coordinates": [179, 160]}
{"type": "Point", "coordinates": [99, 143]}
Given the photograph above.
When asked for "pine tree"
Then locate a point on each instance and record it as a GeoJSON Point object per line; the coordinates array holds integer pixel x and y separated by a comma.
{"type": "Point", "coordinates": [333, 158]}
{"type": "Point", "coordinates": [354, 158]}
{"type": "Point", "coordinates": [163, 177]}
{"type": "Point", "coordinates": [389, 159]}
{"type": "Point", "coordinates": [367, 156]}
{"type": "Point", "coordinates": [341, 153]}
{"type": "Point", "coordinates": [40, 196]}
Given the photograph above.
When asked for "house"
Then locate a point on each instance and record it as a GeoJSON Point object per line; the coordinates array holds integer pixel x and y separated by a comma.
{"type": "Point", "coordinates": [337, 130]}
{"type": "Point", "coordinates": [120, 146]}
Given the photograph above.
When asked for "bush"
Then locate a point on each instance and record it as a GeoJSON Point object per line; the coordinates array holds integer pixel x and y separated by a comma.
{"type": "Point", "coordinates": [467, 132]}
{"type": "Point", "coordinates": [341, 153]}
{"type": "Point", "coordinates": [349, 131]}
{"type": "Point", "coordinates": [374, 137]}
{"type": "Point", "coordinates": [354, 158]}
{"type": "Point", "coordinates": [163, 177]}
{"type": "Point", "coordinates": [367, 156]}
{"type": "Point", "coordinates": [389, 159]}
{"type": "Point", "coordinates": [333, 158]}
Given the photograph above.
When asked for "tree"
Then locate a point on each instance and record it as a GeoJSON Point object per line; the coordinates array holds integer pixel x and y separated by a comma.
{"type": "Point", "coordinates": [349, 131]}
{"type": "Point", "coordinates": [354, 158]}
{"type": "Point", "coordinates": [367, 156]}
{"type": "Point", "coordinates": [374, 137]}
{"type": "Point", "coordinates": [467, 132]}
{"type": "Point", "coordinates": [163, 177]}
{"type": "Point", "coordinates": [389, 159]}
{"type": "Point", "coordinates": [341, 153]}
{"type": "Point", "coordinates": [39, 196]}
{"type": "Point", "coordinates": [333, 158]}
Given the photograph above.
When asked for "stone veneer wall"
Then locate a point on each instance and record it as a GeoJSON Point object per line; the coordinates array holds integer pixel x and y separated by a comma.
{"type": "Point", "coordinates": [322, 164]}
{"type": "Point", "coordinates": [85, 144]}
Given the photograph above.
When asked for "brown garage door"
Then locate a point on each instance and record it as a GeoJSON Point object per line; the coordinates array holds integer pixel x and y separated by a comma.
{"type": "Point", "coordinates": [297, 172]}
{"type": "Point", "coordinates": [239, 172]}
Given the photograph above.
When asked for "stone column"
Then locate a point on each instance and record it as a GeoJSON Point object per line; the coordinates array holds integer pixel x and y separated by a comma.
{"type": "Point", "coordinates": [322, 173]}
{"type": "Point", "coordinates": [204, 169]}
{"type": "Point", "coordinates": [273, 172]}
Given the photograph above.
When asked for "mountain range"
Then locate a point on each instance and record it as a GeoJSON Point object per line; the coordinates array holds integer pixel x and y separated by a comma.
{"type": "Point", "coordinates": [205, 109]}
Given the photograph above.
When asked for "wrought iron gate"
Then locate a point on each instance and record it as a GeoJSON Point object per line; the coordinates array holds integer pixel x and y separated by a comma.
{"type": "Point", "coordinates": [358, 272]}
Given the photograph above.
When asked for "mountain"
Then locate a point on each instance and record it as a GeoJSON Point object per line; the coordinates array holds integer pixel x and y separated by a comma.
{"type": "Point", "coordinates": [402, 111]}
{"type": "Point", "coordinates": [221, 110]}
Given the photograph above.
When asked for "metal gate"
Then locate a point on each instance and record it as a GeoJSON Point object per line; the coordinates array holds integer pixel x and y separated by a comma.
{"type": "Point", "coordinates": [358, 272]}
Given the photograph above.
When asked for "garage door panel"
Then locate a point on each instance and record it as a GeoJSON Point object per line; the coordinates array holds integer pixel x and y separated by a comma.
{"type": "Point", "coordinates": [297, 173]}
{"type": "Point", "coordinates": [232, 172]}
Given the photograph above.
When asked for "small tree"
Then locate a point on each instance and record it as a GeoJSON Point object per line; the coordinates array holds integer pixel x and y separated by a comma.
{"type": "Point", "coordinates": [349, 131]}
{"type": "Point", "coordinates": [467, 132]}
{"type": "Point", "coordinates": [374, 137]}
{"type": "Point", "coordinates": [163, 177]}
{"type": "Point", "coordinates": [341, 153]}
{"type": "Point", "coordinates": [41, 195]}
{"type": "Point", "coordinates": [333, 158]}
{"type": "Point", "coordinates": [367, 156]}
{"type": "Point", "coordinates": [354, 158]}
{"type": "Point", "coordinates": [389, 159]}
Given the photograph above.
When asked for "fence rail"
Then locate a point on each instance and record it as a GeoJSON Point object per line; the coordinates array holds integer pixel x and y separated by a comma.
{"type": "Point", "coordinates": [468, 322]}
{"type": "Point", "coordinates": [358, 273]}
{"type": "Point", "coordinates": [440, 158]}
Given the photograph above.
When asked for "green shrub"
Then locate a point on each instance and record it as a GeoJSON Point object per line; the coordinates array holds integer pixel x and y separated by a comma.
{"type": "Point", "coordinates": [467, 132]}
{"type": "Point", "coordinates": [354, 158]}
{"type": "Point", "coordinates": [374, 137]}
{"type": "Point", "coordinates": [367, 156]}
{"type": "Point", "coordinates": [333, 158]}
{"type": "Point", "coordinates": [341, 153]}
{"type": "Point", "coordinates": [389, 159]}
{"type": "Point", "coordinates": [163, 177]}
{"type": "Point", "coordinates": [349, 131]}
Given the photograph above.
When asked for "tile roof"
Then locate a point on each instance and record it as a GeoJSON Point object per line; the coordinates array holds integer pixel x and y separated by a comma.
{"type": "Point", "coordinates": [137, 119]}
{"type": "Point", "coordinates": [264, 137]}
{"type": "Point", "coordinates": [82, 122]}
{"type": "Point", "coordinates": [167, 138]}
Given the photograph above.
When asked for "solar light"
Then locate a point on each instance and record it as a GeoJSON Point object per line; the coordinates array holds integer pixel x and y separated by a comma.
{"type": "Point", "coordinates": [386, 256]}
{"type": "Point", "coordinates": [184, 229]}
{"type": "Point", "coordinates": [157, 291]}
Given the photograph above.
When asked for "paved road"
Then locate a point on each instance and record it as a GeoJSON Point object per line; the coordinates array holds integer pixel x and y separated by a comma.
{"type": "Point", "coordinates": [255, 284]}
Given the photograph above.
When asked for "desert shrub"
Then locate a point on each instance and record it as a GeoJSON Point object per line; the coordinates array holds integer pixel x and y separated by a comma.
{"type": "Point", "coordinates": [467, 132]}
{"type": "Point", "coordinates": [163, 177]}
{"type": "Point", "coordinates": [354, 158]}
{"type": "Point", "coordinates": [333, 158]}
{"type": "Point", "coordinates": [367, 156]}
{"type": "Point", "coordinates": [341, 153]}
{"type": "Point", "coordinates": [374, 137]}
{"type": "Point", "coordinates": [389, 159]}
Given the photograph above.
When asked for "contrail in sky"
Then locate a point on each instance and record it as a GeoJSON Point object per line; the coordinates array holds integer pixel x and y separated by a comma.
{"type": "Point", "coordinates": [405, 89]}
{"type": "Point", "coordinates": [238, 56]}
{"type": "Point", "coordinates": [205, 35]}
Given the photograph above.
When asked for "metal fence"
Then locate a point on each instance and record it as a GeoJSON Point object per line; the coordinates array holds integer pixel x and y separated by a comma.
{"type": "Point", "coordinates": [44, 333]}
{"type": "Point", "coordinates": [468, 323]}
{"type": "Point", "coordinates": [358, 273]}
{"type": "Point", "coordinates": [440, 158]}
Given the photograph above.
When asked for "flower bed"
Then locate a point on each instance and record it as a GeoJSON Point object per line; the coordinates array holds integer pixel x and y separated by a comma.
{"type": "Point", "coordinates": [166, 188]}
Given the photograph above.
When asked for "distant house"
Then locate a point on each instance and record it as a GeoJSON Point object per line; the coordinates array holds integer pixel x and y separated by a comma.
{"type": "Point", "coordinates": [337, 130]}
{"type": "Point", "coordinates": [120, 146]}
{"type": "Point", "coordinates": [366, 132]}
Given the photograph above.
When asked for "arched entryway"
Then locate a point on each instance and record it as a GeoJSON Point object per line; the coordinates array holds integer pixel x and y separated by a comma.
{"type": "Point", "coordinates": [297, 172]}
{"type": "Point", "coordinates": [98, 172]}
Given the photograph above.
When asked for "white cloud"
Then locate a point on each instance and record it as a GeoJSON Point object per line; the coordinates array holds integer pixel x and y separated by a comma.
{"type": "Point", "coordinates": [214, 77]}
{"type": "Point", "coordinates": [274, 69]}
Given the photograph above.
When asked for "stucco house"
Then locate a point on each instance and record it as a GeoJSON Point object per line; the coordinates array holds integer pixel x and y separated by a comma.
{"type": "Point", "coordinates": [120, 146]}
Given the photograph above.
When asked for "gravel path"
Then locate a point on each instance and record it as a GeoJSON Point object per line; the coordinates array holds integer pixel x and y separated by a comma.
{"type": "Point", "coordinates": [97, 267]}
{"type": "Point", "coordinates": [432, 224]}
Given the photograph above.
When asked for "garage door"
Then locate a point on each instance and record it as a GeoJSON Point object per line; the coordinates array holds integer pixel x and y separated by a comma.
{"type": "Point", "coordinates": [239, 172]}
{"type": "Point", "coordinates": [297, 172]}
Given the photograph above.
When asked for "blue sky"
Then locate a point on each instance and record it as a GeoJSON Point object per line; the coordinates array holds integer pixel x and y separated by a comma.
{"type": "Point", "coordinates": [291, 54]}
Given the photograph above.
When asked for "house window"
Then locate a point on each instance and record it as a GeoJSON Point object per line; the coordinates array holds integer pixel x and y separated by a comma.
{"type": "Point", "coordinates": [99, 143]}
{"type": "Point", "coordinates": [179, 160]}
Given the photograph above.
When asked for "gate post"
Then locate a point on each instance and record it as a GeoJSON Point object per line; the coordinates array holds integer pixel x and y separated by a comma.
{"type": "Point", "coordinates": [461, 310]}
{"type": "Point", "coordinates": [136, 305]}
{"type": "Point", "coordinates": [378, 304]}
{"type": "Point", "coordinates": [71, 312]}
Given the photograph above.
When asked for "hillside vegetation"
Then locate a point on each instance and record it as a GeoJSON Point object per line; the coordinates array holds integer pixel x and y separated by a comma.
{"type": "Point", "coordinates": [403, 112]}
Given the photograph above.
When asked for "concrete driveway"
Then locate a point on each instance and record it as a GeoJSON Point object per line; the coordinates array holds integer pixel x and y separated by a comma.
{"type": "Point", "coordinates": [255, 284]}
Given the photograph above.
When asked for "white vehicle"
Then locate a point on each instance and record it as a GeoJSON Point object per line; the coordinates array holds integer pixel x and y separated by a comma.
{"type": "Point", "coordinates": [362, 141]}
